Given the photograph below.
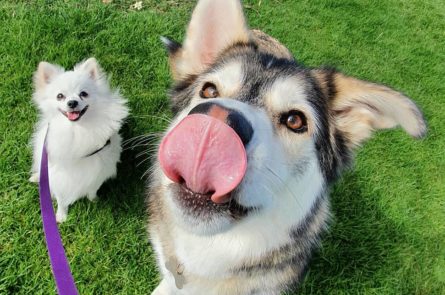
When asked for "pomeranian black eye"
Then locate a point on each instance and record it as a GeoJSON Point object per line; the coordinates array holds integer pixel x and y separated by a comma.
{"type": "Point", "coordinates": [209, 91]}
{"type": "Point", "coordinates": [60, 96]}
{"type": "Point", "coordinates": [83, 94]}
{"type": "Point", "coordinates": [294, 121]}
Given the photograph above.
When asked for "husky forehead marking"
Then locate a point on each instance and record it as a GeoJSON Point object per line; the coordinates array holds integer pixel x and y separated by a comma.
{"type": "Point", "coordinates": [260, 241]}
{"type": "Point", "coordinates": [227, 77]}
{"type": "Point", "coordinates": [252, 58]}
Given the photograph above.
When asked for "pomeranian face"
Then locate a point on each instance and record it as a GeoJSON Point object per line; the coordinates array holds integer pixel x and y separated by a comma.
{"type": "Point", "coordinates": [71, 95]}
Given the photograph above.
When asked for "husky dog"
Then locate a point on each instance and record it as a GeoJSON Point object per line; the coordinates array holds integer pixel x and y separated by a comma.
{"type": "Point", "coordinates": [239, 194]}
{"type": "Point", "coordinates": [81, 117]}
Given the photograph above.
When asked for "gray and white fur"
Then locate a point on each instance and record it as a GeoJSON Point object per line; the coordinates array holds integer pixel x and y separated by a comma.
{"type": "Point", "coordinates": [261, 241]}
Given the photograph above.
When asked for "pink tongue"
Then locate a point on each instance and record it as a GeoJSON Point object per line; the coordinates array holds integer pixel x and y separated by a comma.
{"type": "Point", "coordinates": [73, 115]}
{"type": "Point", "coordinates": [205, 153]}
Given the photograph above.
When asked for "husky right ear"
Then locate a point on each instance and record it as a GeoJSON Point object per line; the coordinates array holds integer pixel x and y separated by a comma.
{"type": "Point", "coordinates": [215, 25]}
{"type": "Point", "coordinates": [45, 73]}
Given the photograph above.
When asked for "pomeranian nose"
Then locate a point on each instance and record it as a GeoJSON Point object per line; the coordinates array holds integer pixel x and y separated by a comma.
{"type": "Point", "coordinates": [72, 103]}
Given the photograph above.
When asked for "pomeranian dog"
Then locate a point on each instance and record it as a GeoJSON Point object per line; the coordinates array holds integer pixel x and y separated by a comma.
{"type": "Point", "coordinates": [80, 116]}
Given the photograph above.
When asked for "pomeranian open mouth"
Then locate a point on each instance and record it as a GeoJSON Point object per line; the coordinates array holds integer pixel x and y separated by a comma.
{"type": "Point", "coordinates": [74, 115]}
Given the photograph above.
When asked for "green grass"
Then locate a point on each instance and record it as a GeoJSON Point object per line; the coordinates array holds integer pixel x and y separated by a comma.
{"type": "Point", "coordinates": [388, 233]}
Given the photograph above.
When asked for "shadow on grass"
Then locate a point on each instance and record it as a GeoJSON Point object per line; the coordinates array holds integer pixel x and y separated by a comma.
{"type": "Point", "coordinates": [359, 247]}
{"type": "Point", "coordinates": [125, 194]}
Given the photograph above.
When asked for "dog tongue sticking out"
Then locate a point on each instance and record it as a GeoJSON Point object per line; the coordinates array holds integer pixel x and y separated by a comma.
{"type": "Point", "coordinates": [73, 116]}
{"type": "Point", "coordinates": [206, 154]}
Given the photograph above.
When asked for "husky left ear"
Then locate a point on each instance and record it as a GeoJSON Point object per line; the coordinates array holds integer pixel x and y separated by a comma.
{"type": "Point", "coordinates": [173, 49]}
{"type": "Point", "coordinates": [359, 107]}
{"type": "Point", "coordinates": [91, 66]}
{"type": "Point", "coordinates": [215, 25]}
{"type": "Point", "coordinates": [171, 45]}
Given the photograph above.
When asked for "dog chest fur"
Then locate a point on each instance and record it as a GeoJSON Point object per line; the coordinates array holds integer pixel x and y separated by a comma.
{"type": "Point", "coordinates": [285, 189]}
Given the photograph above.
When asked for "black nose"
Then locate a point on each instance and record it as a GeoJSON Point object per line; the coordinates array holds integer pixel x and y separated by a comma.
{"type": "Point", "coordinates": [231, 117]}
{"type": "Point", "coordinates": [72, 103]}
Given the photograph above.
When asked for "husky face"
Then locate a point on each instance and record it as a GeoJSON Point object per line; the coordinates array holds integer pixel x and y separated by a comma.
{"type": "Point", "coordinates": [297, 146]}
{"type": "Point", "coordinates": [295, 130]}
{"type": "Point", "coordinates": [283, 160]}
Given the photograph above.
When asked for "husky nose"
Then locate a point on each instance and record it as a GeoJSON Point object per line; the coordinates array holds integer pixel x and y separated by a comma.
{"type": "Point", "coordinates": [206, 152]}
{"type": "Point", "coordinates": [72, 103]}
{"type": "Point", "coordinates": [231, 117]}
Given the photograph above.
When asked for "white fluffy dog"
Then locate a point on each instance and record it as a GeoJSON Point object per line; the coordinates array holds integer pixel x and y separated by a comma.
{"type": "Point", "coordinates": [81, 117]}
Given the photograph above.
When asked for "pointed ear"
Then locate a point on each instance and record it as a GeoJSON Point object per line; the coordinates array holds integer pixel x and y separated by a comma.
{"type": "Point", "coordinates": [171, 45]}
{"type": "Point", "coordinates": [173, 49]}
{"type": "Point", "coordinates": [45, 73]}
{"type": "Point", "coordinates": [215, 25]}
{"type": "Point", "coordinates": [359, 107]}
{"type": "Point", "coordinates": [91, 66]}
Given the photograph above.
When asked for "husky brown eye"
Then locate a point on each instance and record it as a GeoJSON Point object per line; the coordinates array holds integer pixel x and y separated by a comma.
{"type": "Point", "coordinates": [209, 91]}
{"type": "Point", "coordinates": [60, 96]}
{"type": "Point", "coordinates": [295, 121]}
{"type": "Point", "coordinates": [83, 94]}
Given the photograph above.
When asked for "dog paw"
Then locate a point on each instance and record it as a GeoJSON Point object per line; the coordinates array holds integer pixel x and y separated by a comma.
{"type": "Point", "coordinates": [61, 216]}
{"type": "Point", "coordinates": [34, 178]}
{"type": "Point", "coordinates": [92, 197]}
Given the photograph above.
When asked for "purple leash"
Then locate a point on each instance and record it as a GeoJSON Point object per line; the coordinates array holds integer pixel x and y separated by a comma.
{"type": "Point", "coordinates": [59, 264]}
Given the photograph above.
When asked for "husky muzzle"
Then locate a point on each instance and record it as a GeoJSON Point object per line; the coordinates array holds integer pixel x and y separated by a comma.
{"type": "Point", "coordinates": [206, 151]}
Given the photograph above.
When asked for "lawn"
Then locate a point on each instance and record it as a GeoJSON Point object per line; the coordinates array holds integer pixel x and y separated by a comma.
{"type": "Point", "coordinates": [388, 230]}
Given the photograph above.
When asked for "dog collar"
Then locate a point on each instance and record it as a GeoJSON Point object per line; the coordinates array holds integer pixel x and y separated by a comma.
{"type": "Point", "coordinates": [177, 270]}
{"type": "Point", "coordinates": [95, 152]}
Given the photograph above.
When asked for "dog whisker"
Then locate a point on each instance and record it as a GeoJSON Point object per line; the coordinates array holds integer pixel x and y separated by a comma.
{"type": "Point", "coordinates": [285, 184]}
{"type": "Point", "coordinates": [143, 161]}
{"type": "Point", "coordinates": [154, 134]}
{"type": "Point", "coordinates": [142, 142]}
{"type": "Point", "coordinates": [144, 138]}
{"type": "Point", "coordinates": [151, 171]}
{"type": "Point", "coordinates": [165, 119]}
{"type": "Point", "coordinates": [136, 137]}
{"type": "Point", "coordinates": [149, 151]}
{"type": "Point", "coordinates": [280, 183]}
{"type": "Point", "coordinates": [150, 145]}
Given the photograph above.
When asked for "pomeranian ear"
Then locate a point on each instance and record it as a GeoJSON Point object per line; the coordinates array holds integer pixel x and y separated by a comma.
{"type": "Point", "coordinates": [91, 66]}
{"type": "Point", "coordinates": [45, 73]}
